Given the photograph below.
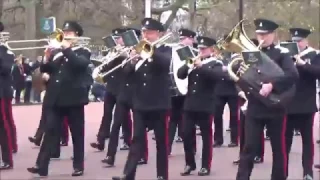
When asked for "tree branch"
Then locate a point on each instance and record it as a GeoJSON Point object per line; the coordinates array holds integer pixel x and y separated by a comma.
{"type": "Point", "coordinates": [171, 18]}
{"type": "Point", "coordinates": [13, 6]}
{"type": "Point", "coordinates": [206, 8]}
{"type": "Point", "coordinates": [178, 4]}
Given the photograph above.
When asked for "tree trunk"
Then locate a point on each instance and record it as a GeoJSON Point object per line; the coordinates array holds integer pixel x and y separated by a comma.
{"type": "Point", "coordinates": [1, 8]}
{"type": "Point", "coordinates": [39, 13]}
{"type": "Point", "coordinates": [192, 11]}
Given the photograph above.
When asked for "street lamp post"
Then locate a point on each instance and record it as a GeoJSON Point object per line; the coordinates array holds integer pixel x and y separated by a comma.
{"type": "Point", "coordinates": [240, 10]}
{"type": "Point", "coordinates": [147, 10]}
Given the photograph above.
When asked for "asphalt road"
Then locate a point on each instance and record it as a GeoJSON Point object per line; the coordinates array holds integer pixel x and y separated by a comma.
{"type": "Point", "coordinates": [27, 119]}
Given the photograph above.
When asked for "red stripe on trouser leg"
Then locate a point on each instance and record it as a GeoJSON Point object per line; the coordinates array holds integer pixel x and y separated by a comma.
{"type": "Point", "coordinates": [283, 145]}
{"type": "Point", "coordinates": [312, 143]}
{"type": "Point", "coordinates": [210, 141]}
{"type": "Point", "coordinates": [13, 125]}
{"type": "Point", "coordinates": [7, 129]}
{"type": "Point", "coordinates": [83, 130]}
{"type": "Point", "coordinates": [262, 146]}
{"type": "Point", "coordinates": [167, 119]}
{"type": "Point", "coordinates": [195, 138]}
{"type": "Point", "coordinates": [238, 120]}
{"type": "Point", "coordinates": [146, 147]}
{"type": "Point", "coordinates": [130, 127]}
{"type": "Point", "coordinates": [66, 129]}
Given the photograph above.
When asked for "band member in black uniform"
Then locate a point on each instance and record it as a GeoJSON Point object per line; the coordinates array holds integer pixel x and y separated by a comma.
{"type": "Point", "coordinates": [186, 37]}
{"type": "Point", "coordinates": [110, 98]}
{"type": "Point", "coordinates": [7, 93]}
{"type": "Point", "coordinates": [151, 102]}
{"type": "Point", "coordinates": [37, 138]}
{"type": "Point", "coordinates": [259, 158]}
{"type": "Point", "coordinates": [121, 114]}
{"type": "Point", "coordinates": [6, 143]}
{"type": "Point", "coordinates": [302, 109]}
{"type": "Point", "coordinates": [259, 115]}
{"type": "Point", "coordinates": [199, 103]}
{"type": "Point", "coordinates": [66, 96]}
{"type": "Point", "coordinates": [226, 93]}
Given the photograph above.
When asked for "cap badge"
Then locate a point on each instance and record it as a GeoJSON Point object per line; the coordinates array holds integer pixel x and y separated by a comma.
{"type": "Point", "coordinates": [67, 25]}
{"type": "Point", "coordinates": [201, 41]}
{"type": "Point", "coordinates": [147, 22]}
{"type": "Point", "coordinates": [180, 32]}
{"type": "Point", "coordinates": [260, 24]}
{"type": "Point", "coordinates": [296, 33]}
{"type": "Point", "coordinates": [116, 32]}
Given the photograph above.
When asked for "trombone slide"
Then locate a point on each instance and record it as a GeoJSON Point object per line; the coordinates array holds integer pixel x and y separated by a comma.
{"type": "Point", "coordinates": [119, 66]}
{"type": "Point", "coordinates": [7, 44]}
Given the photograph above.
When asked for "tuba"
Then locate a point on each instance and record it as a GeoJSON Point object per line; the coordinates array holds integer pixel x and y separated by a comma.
{"type": "Point", "coordinates": [250, 75]}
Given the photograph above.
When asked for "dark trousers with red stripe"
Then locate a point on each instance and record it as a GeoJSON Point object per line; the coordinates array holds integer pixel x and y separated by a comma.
{"type": "Point", "coordinates": [176, 121]}
{"type": "Point", "coordinates": [122, 117]}
{"type": "Point", "coordinates": [303, 123]}
{"type": "Point", "coordinates": [254, 126]}
{"type": "Point", "coordinates": [65, 131]}
{"type": "Point", "coordinates": [176, 117]}
{"type": "Point", "coordinates": [158, 120]}
{"type": "Point", "coordinates": [233, 103]}
{"type": "Point", "coordinates": [204, 121]}
{"type": "Point", "coordinates": [5, 134]}
{"type": "Point", "coordinates": [55, 117]}
{"type": "Point", "coordinates": [260, 152]}
{"type": "Point", "coordinates": [108, 105]}
{"type": "Point", "coordinates": [12, 125]}
{"type": "Point", "coordinates": [41, 127]}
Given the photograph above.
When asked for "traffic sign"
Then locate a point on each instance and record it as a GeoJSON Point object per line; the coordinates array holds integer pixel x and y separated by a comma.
{"type": "Point", "coordinates": [48, 25]}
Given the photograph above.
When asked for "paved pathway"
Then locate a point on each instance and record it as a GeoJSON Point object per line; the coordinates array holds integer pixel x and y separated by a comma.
{"type": "Point", "coordinates": [27, 118]}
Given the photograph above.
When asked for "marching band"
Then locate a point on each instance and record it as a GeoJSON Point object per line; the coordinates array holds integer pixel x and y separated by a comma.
{"type": "Point", "coordinates": [160, 87]}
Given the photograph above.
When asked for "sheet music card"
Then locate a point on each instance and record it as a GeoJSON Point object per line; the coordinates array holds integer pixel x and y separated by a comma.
{"type": "Point", "coordinates": [292, 47]}
{"type": "Point", "coordinates": [130, 38]}
{"type": "Point", "coordinates": [185, 53]}
{"type": "Point", "coordinates": [109, 42]}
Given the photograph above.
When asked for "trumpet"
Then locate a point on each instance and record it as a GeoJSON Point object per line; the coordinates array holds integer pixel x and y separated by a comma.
{"type": "Point", "coordinates": [53, 40]}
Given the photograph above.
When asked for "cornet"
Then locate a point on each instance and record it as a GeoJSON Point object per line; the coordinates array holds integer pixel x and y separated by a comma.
{"type": "Point", "coordinates": [52, 41]}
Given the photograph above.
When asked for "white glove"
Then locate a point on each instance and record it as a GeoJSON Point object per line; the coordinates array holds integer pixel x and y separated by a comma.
{"type": "Point", "coordinates": [45, 76]}
{"type": "Point", "coordinates": [299, 61]}
{"type": "Point", "coordinates": [242, 95]}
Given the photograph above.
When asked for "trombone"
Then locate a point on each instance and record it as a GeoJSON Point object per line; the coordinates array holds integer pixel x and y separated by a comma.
{"type": "Point", "coordinates": [56, 37]}
{"type": "Point", "coordinates": [144, 49]}
{"type": "Point", "coordinates": [111, 56]}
